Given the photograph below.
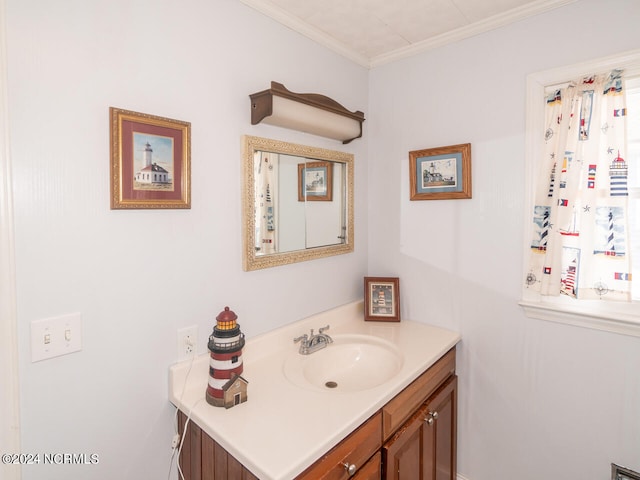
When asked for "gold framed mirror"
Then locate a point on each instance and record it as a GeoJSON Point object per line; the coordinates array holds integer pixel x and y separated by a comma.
{"type": "Point", "coordinates": [297, 203]}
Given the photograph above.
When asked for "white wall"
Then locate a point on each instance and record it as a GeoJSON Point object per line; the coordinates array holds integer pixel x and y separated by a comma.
{"type": "Point", "coordinates": [193, 60]}
{"type": "Point", "coordinates": [539, 400]}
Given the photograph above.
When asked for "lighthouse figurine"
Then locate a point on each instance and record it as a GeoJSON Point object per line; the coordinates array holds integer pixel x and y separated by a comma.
{"type": "Point", "coordinates": [226, 386]}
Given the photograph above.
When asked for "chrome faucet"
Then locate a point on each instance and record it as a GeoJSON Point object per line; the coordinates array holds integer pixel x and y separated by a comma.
{"type": "Point", "coordinates": [312, 343]}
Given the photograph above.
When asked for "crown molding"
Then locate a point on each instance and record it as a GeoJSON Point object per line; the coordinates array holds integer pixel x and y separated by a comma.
{"type": "Point", "coordinates": [497, 21]}
{"type": "Point", "coordinates": [298, 25]}
{"type": "Point", "coordinates": [469, 31]}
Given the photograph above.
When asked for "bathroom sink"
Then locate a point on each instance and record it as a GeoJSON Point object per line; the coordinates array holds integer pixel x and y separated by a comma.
{"type": "Point", "coordinates": [351, 363]}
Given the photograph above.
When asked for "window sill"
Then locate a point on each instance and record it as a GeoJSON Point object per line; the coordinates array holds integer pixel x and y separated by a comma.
{"type": "Point", "coordinates": [616, 322]}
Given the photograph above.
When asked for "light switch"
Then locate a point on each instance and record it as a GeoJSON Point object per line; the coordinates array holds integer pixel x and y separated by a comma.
{"type": "Point", "coordinates": [55, 336]}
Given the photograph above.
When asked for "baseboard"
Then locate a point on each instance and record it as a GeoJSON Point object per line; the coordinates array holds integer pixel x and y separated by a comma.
{"type": "Point", "coordinates": [460, 477]}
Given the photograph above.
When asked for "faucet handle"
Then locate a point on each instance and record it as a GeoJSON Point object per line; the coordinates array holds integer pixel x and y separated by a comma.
{"type": "Point", "coordinates": [301, 337]}
{"type": "Point", "coordinates": [324, 329]}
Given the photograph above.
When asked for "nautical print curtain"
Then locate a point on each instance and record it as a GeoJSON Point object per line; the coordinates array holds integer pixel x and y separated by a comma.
{"type": "Point", "coordinates": [580, 245]}
{"type": "Point", "coordinates": [265, 173]}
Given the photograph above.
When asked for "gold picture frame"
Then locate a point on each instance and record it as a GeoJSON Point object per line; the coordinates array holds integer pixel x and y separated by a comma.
{"type": "Point", "coordinates": [150, 161]}
{"type": "Point", "coordinates": [382, 299]}
{"type": "Point", "coordinates": [440, 173]}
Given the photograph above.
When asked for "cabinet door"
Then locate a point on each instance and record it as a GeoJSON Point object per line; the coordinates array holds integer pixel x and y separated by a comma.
{"type": "Point", "coordinates": [402, 454]}
{"type": "Point", "coordinates": [439, 433]}
{"type": "Point", "coordinates": [425, 446]}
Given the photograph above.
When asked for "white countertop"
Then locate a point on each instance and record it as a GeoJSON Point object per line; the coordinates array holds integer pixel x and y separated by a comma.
{"type": "Point", "coordinates": [282, 428]}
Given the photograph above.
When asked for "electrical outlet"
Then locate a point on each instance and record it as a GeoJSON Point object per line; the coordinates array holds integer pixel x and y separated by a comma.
{"type": "Point", "coordinates": [175, 441]}
{"type": "Point", "coordinates": [187, 342]}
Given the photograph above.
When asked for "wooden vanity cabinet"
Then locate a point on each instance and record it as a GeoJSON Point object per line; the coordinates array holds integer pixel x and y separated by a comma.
{"type": "Point", "coordinates": [412, 437]}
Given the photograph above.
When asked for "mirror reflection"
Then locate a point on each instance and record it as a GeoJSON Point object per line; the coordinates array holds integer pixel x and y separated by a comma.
{"type": "Point", "coordinates": [298, 203]}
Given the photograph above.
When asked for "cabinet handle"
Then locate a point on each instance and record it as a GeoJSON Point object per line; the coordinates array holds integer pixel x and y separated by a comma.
{"type": "Point", "coordinates": [431, 416]}
{"type": "Point", "coordinates": [350, 468]}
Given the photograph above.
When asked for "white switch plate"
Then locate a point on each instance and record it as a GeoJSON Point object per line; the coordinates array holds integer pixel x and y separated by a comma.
{"type": "Point", "coordinates": [55, 336]}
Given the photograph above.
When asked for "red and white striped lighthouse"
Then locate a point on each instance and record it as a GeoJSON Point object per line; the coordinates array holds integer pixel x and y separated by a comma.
{"type": "Point", "coordinates": [225, 363]}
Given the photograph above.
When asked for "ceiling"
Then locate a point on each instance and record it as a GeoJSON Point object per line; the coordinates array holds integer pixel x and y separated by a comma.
{"type": "Point", "coordinates": [374, 32]}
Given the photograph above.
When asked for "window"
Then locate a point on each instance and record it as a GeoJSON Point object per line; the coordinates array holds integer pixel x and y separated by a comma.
{"type": "Point", "coordinates": [619, 317]}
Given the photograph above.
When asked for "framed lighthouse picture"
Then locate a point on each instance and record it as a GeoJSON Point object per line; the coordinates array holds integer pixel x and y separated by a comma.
{"type": "Point", "coordinates": [440, 173]}
{"type": "Point", "coordinates": [382, 299]}
{"type": "Point", "coordinates": [150, 161]}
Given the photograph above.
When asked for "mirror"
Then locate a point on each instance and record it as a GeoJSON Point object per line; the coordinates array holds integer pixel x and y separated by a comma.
{"type": "Point", "coordinates": [297, 203]}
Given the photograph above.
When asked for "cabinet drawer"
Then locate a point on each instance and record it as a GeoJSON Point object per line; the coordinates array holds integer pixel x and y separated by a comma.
{"type": "Point", "coordinates": [400, 408]}
{"type": "Point", "coordinates": [356, 449]}
{"type": "Point", "coordinates": [372, 470]}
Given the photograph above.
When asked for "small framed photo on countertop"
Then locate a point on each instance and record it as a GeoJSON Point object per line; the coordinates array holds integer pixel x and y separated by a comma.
{"type": "Point", "coordinates": [382, 299]}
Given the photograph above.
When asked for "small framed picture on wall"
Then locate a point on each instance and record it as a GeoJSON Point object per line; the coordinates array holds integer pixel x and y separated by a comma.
{"type": "Point", "coordinates": [382, 299]}
{"type": "Point", "coordinates": [440, 173]}
{"type": "Point", "coordinates": [150, 161]}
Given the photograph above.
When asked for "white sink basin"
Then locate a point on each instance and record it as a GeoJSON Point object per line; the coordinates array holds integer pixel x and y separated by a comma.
{"type": "Point", "coordinates": [351, 363]}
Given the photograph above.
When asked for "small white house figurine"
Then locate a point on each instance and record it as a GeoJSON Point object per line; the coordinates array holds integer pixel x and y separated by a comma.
{"type": "Point", "coordinates": [234, 391]}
